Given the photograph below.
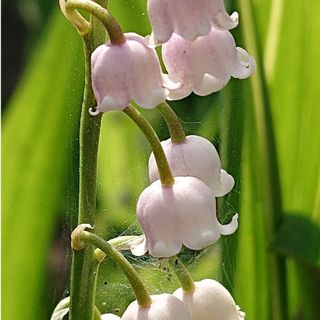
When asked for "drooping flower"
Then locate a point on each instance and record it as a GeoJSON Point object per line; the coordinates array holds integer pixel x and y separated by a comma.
{"type": "Point", "coordinates": [197, 157]}
{"type": "Point", "coordinates": [163, 306]}
{"type": "Point", "coordinates": [181, 214]}
{"type": "Point", "coordinates": [130, 71]}
{"type": "Point", "coordinates": [205, 65]}
{"type": "Point", "coordinates": [188, 18]}
{"type": "Point", "coordinates": [210, 301]}
{"type": "Point", "coordinates": [62, 309]}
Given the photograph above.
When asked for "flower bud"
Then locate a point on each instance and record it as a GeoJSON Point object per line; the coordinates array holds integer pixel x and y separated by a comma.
{"type": "Point", "coordinates": [125, 72]}
{"type": "Point", "coordinates": [205, 65]}
{"type": "Point", "coordinates": [164, 306]}
{"type": "Point", "coordinates": [181, 214]}
{"type": "Point", "coordinates": [197, 157]}
{"type": "Point", "coordinates": [188, 18]}
{"type": "Point", "coordinates": [210, 301]}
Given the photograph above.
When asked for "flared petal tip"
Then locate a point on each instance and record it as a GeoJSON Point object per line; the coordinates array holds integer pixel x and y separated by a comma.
{"type": "Point", "coordinates": [108, 103]}
{"type": "Point", "coordinates": [162, 249]}
{"type": "Point", "coordinates": [153, 99]}
{"type": "Point", "coordinates": [152, 41]}
{"type": "Point", "coordinates": [247, 64]}
{"type": "Point", "coordinates": [229, 228]}
{"type": "Point", "coordinates": [226, 22]}
{"type": "Point", "coordinates": [225, 186]}
{"type": "Point", "coordinates": [241, 314]}
{"type": "Point", "coordinates": [139, 247]}
{"type": "Point", "coordinates": [209, 84]}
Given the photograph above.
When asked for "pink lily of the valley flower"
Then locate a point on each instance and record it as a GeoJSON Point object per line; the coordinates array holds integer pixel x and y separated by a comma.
{"type": "Point", "coordinates": [197, 157]}
{"type": "Point", "coordinates": [181, 214]}
{"type": "Point", "coordinates": [210, 301]}
{"type": "Point", "coordinates": [163, 306]}
{"type": "Point", "coordinates": [129, 71]}
{"type": "Point", "coordinates": [188, 18]}
{"type": "Point", "coordinates": [205, 65]}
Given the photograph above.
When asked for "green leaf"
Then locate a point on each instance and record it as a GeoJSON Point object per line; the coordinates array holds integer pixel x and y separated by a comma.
{"type": "Point", "coordinates": [39, 129]}
{"type": "Point", "coordinates": [299, 237]}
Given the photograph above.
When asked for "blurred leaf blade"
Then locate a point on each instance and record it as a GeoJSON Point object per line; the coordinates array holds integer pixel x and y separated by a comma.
{"type": "Point", "coordinates": [39, 127]}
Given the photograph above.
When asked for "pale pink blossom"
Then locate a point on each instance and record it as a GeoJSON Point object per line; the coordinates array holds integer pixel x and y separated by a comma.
{"type": "Point", "coordinates": [197, 157]}
{"type": "Point", "coordinates": [125, 72]}
{"type": "Point", "coordinates": [188, 18]}
{"type": "Point", "coordinates": [210, 301]}
{"type": "Point", "coordinates": [205, 65]}
{"type": "Point", "coordinates": [181, 214]}
{"type": "Point", "coordinates": [163, 306]}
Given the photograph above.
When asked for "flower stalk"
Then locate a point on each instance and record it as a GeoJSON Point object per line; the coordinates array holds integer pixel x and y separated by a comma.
{"type": "Point", "coordinates": [84, 267]}
{"type": "Point", "coordinates": [183, 274]}
{"type": "Point", "coordinates": [165, 173]}
{"type": "Point", "coordinates": [175, 128]}
{"type": "Point", "coordinates": [142, 295]}
{"type": "Point", "coordinates": [71, 7]}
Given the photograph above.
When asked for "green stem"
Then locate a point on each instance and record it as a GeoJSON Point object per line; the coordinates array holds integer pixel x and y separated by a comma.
{"type": "Point", "coordinates": [177, 133]}
{"type": "Point", "coordinates": [182, 273]}
{"type": "Point", "coordinates": [165, 173]}
{"type": "Point", "coordinates": [114, 30]}
{"type": "Point", "coordinates": [84, 267]}
{"type": "Point", "coordinates": [142, 295]}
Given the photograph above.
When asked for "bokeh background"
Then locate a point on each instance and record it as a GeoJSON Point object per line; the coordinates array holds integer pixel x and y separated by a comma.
{"type": "Point", "coordinates": [266, 129]}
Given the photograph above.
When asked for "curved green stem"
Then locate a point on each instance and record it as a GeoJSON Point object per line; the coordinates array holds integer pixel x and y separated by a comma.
{"type": "Point", "coordinates": [71, 11]}
{"type": "Point", "coordinates": [165, 173]}
{"type": "Point", "coordinates": [142, 295]}
{"type": "Point", "coordinates": [182, 273]}
{"type": "Point", "coordinates": [177, 133]}
{"type": "Point", "coordinates": [84, 267]}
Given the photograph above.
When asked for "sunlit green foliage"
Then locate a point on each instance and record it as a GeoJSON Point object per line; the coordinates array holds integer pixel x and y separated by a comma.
{"type": "Point", "coordinates": [267, 130]}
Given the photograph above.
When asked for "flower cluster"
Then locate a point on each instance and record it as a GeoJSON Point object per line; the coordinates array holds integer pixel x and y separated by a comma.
{"type": "Point", "coordinates": [200, 57]}
{"type": "Point", "coordinates": [208, 301]}
{"type": "Point", "coordinates": [178, 208]}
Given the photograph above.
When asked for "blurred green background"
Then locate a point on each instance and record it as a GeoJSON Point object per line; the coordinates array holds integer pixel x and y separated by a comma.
{"type": "Point", "coordinates": [266, 129]}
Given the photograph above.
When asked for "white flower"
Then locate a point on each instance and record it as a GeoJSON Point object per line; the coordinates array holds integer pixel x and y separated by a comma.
{"type": "Point", "coordinates": [210, 301]}
{"type": "Point", "coordinates": [188, 18]}
{"type": "Point", "coordinates": [205, 65]}
{"type": "Point", "coordinates": [184, 213]}
{"type": "Point", "coordinates": [196, 157]}
{"type": "Point", "coordinates": [130, 71]}
{"type": "Point", "coordinates": [61, 309]}
{"type": "Point", "coordinates": [164, 306]}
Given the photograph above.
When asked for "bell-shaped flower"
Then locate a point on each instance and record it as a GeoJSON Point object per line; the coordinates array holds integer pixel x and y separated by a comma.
{"type": "Point", "coordinates": [163, 306]}
{"type": "Point", "coordinates": [197, 157]}
{"type": "Point", "coordinates": [130, 71]}
{"type": "Point", "coordinates": [62, 309]}
{"type": "Point", "coordinates": [181, 214]}
{"type": "Point", "coordinates": [210, 301]}
{"type": "Point", "coordinates": [205, 65]}
{"type": "Point", "coordinates": [188, 18]}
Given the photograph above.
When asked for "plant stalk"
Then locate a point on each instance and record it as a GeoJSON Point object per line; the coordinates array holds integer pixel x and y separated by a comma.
{"type": "Point", "coordinates": [182, 273]}
{"type": "Point", "coordinates": [176, 131]}
{"type": "Point", "coordinates": [142, 295]}
{"type": "Point", "coordinates": [110, 23]}
{"type": "Point", "coordinates": [165, 173]}
{"type": "Point", "coordinates": [84, 267]}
